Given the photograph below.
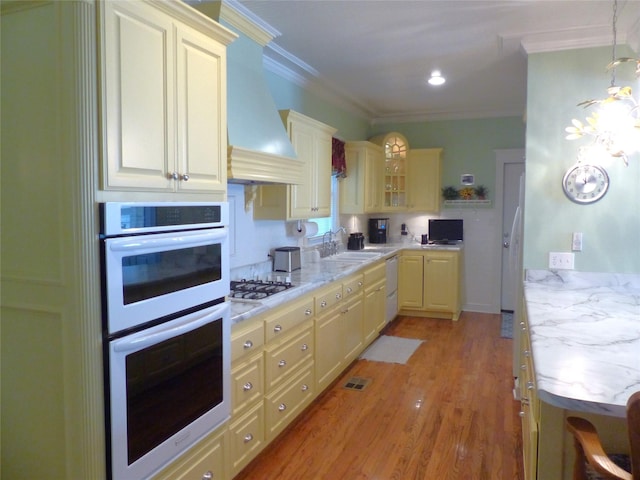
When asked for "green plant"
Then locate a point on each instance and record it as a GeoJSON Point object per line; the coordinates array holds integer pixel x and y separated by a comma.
{"type": "Point", "coordinates": [450, 193]}
{"type": "Point", "coordinates": [481, 192]}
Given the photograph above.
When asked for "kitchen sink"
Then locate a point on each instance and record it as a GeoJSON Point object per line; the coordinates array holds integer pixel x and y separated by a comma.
{"type": "Point", "coordinates": [352, 257]}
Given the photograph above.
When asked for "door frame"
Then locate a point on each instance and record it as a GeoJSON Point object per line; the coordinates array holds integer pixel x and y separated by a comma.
{"type": "Point", "coordinates": [503, 156]}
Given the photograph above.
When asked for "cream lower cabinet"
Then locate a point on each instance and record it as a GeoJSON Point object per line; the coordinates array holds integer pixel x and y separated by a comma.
{"type": "Point", "coordinates": [311, 199]}
{"type": "Point", "coordinates": [353, 316]}
{"type": "Point", "coordinates": [164, 98]}
{"type": "Point", "coordinates": [207, 460]}
{"type": "Point", "coordinates": [430, 283]}
{"type": "Point", "coordinates": [329, 332]}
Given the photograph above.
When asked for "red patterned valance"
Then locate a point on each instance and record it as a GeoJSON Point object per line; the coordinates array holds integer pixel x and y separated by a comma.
{"type": "Point", "coordinates": [338, 161]}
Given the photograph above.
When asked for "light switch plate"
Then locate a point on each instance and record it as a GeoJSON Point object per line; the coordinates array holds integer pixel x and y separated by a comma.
{"type": "Point", "coordinates": [561, 260]}
{"type": "Point", "coordinates": [576, 242]}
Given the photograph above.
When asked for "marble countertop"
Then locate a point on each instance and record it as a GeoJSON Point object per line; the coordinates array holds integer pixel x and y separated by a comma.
{"type": "Point", "coordinates": [317, 273]}
{"type": "Point", "coordinates": [585, 338]}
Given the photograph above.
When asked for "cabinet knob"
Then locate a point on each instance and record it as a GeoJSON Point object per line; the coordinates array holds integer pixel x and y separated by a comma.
{"type": "Point", "coordinates": [360, 284]}
{"type": "Point", "coordinates": [277, 328]}
{"type": "Point", "coordinates": [282, 363]}
{"type": "Point", "coordinates": [338, 296]}
{"type": "Point", "coordinates": [521, 414]}
{"type": "Point", "coordinates": [282, 407]}
{"type": "Point", "coordinates": [349, 290]}
{"type": "Point", "coordinates": [208, 475]}
{"type": "Point", "coordinates": [304, 347]}
{"type": "Point", "coordinates": [185, 177]}
{"type": "Point", "coordinates": [248, 437]}
{"type": "Point", "coordinates": [305, 387]}
{"type": "Point", "coordinates": [247, 386]}
{"type": "Point", "coordinates": [323, 303]}
{"type": "Point", "coordinates": [248, 344]}
{"type": "Point", "coordinates": [308, 311]}
{"type": "Point", "coordinates": [174, 176]}
{"type": "Point", "coordinates": [529, 385]}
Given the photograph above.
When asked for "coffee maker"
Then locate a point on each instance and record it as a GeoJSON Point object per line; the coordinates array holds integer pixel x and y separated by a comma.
{"type": "Point", "coordinates": [378, 230]}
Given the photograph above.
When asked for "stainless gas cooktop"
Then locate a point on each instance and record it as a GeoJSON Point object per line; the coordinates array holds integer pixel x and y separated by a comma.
{"type": "Point", "coordinates": [256, 289]}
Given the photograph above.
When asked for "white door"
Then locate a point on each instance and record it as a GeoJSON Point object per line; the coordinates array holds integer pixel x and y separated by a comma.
{"type": "Point", "coordinates": [511, 191]}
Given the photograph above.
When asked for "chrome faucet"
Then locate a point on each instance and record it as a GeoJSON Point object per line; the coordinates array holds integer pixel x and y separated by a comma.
{"type": "Point", "coordinates": [330, 247]}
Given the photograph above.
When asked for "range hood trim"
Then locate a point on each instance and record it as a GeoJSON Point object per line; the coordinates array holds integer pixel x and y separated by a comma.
{"type": "Point", "coordinates": [254, 167]}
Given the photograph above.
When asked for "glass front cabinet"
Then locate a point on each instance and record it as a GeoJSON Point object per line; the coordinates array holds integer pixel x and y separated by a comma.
{"type": "Point", "coordinates": [394, 177]}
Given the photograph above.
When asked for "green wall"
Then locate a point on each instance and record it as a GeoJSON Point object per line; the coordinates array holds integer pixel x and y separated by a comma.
{"type": "Point", "coordinates": [557, 82]}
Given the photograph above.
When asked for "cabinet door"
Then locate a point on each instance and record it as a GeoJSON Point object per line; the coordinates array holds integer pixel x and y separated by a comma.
{"type": "Point", "coordinates": [201, 100]}
{"type": "Point", "coordinates": [424, 181]}
{"type": "Point", "coordinates": [352, 317]}
{"type": "Point", "coordinates": [441, 281]}
{"type": "Point", "coordinates": [302, 200]}
{"type": "Point", "coordinates": [374, 311]}
{"type": "Point", "coordinates": [329, 352]}
{"type": "Point", "coordinates": [360, 190]}
{"type": "Point", "coordinates": [322, 174]}
{"type": "Point", "coordinates": [138, 98]}
{"type": "Point", "coordinates": [410, 281]}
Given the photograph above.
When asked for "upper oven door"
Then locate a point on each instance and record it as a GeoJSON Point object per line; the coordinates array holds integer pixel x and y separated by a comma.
{"type": "Point", "coordinates": [151, 276]}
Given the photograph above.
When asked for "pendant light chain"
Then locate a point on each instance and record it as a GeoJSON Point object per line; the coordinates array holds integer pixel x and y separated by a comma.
{"type": "Point", "coordinates": [613, 58]}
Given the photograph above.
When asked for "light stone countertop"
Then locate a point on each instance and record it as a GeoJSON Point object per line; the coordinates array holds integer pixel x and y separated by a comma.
{"type": "Point", "coordinates": [585, 338]}
{"type": "Point", "coordinates": [313, 275]}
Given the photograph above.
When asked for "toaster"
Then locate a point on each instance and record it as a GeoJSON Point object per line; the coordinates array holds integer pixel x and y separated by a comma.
{"type": "Point", "coordinates": [286, 259]}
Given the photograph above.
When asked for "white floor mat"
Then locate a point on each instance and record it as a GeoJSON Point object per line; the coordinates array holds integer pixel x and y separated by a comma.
{"type": "Point", "coordinates": [391, 349]}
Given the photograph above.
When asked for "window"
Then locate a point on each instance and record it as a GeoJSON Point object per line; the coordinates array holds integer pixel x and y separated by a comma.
{"type": "Point", "coordinates": [329, 223]}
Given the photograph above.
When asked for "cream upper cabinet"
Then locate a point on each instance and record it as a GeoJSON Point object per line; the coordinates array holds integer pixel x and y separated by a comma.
{"type": "Point", "coordinates": [360, 189]}
{"type": "Point", "coordinates": [394, 172]}
{"type": "Point", "coordinates": [163, 99]}
{"type": "Point", "coordinates": [311, 199]}
{"type": "Point", "coordinates": [423, 183]}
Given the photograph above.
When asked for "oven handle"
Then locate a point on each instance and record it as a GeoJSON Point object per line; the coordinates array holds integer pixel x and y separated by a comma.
{"type": "Point", "coordinates": [164, 240]}
{"type": "Point", "coordinates": [141, 340]}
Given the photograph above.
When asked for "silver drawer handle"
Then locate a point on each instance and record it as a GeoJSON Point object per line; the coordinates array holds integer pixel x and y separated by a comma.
{"type": "Point", "coordinates": [248, 437]}
{"type": "Point", "coordinates": [247, 386]}
{"type": "Point", "coordinates": [338, 296]}
{"type": "Point", "coordinates": [208, 475]}
{"type": "Point", "coordinates": [277, 328]}
{"type": "Point", "coordinates": [308, 311]}
{"type": "Point", "coordinates": [349, 290]}
{"type": "Point", "coordinates": [359, 284]}
{"type": "Point", "coordinates": [185, 177]}
{"type": "Point", "coordinates": [305, 387]}
{"type": "Point", "coordinates": [282, 407]}
{"type": "Point", "coordinates": [523, 367]}
{"type": "Point", "coordinates": [282, 363]}
{"type": "Point", "coordinates": [323, 303]}
{"type": "Point", "coordinates": [304, 347]}
{"type": "Point", "coordinates": [527, 353]}
{"type": "Point", "coordinates": [529, 385]}
{"type": "Point", "coordinates": [248, 344]}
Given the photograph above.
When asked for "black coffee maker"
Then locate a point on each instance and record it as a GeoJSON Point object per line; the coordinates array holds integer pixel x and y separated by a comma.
{"type": "Point", "coordinates": [378, 230]}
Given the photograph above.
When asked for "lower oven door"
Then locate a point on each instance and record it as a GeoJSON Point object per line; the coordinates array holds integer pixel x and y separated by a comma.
{"type": "Point", "coordinates": [169, 386]}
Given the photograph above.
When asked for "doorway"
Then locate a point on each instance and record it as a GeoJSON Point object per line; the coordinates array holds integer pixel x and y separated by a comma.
{"type": "Point", "coordinates": [510, 165]}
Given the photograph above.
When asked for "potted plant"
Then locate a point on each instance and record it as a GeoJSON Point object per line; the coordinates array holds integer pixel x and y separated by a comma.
{"type": "Point", "coordinates": [481, 192]}
{"type": "Point", "coordinates": [450, 193]}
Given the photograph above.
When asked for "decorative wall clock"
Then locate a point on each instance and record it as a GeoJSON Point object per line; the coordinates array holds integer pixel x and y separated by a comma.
{"type": "Point", "coordinates": [585, 183]}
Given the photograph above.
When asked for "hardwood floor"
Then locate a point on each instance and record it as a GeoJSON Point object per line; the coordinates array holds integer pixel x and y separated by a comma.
{"type": "Point", "coordinates": [448, 414]}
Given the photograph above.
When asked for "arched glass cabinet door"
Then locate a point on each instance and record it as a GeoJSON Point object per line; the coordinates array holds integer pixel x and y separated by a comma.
{"type": "Point", "coordinates": [394, 193]}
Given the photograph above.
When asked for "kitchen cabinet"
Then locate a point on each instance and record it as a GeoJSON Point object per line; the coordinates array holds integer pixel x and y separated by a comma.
{"type": "Point", "coordinates": [424, 179]}
{"type": "Point", "coordinates": [164, 100]}
{"type": "Point", "coordinates": [360, 189]}
{"type": "Point", "coordinates": [328, 331]}
{"type": "Point", "coordinates": [429, 283]}
{"type": "Point", "coordinates": [312, 141]}
{"type": "Point", "coordinates": [374, 301]}
{"type": "Point", "coordinates": [352, 318]}
{"type": "Point", "coordinates": [205, 460]}
{"type": "Point", "coordinates": [394, 173]}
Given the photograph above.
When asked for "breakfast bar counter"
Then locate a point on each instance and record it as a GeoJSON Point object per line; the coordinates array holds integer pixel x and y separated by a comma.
{"type": "Point", "coordinates": [585, 338]}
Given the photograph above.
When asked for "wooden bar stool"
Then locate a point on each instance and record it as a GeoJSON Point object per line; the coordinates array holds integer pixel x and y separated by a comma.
{"type": "Point", "coordinates": [591, 460]}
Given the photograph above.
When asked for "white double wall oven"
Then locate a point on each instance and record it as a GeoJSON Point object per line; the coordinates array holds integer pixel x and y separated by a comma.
{"type": "Point", "coordinates": [166, 324]}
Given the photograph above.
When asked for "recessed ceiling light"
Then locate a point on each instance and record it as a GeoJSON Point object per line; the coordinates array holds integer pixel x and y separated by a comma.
{"type": "Point", "coordinates": [436, 78]}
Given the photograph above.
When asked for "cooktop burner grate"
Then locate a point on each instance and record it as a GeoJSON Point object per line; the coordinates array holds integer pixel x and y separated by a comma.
{"type": "Point", "coordinates": [256, 289]}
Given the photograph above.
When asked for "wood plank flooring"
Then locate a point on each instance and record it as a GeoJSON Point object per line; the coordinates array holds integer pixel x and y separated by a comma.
{"type": "Point", "coordinates": [448, 414]}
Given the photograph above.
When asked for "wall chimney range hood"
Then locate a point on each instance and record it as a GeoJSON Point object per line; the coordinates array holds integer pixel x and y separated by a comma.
{"type": "Point", "coordinates": [259, 149]}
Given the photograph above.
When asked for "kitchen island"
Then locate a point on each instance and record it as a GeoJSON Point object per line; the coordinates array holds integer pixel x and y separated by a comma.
{"type": "Point", "coordinates": [580, 356]}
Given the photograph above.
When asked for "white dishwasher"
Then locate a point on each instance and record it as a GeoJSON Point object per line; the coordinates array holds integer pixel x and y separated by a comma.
{"type": "Point", "coordinates": [392, 288]}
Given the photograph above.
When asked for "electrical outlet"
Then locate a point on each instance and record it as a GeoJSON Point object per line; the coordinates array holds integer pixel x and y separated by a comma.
{"type": "Point", "coordinates": [576, 242]}
{"type": "Point", "coordinates": [561, 260]}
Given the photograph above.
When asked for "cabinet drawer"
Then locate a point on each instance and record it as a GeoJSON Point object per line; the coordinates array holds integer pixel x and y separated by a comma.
{"type": "Point", "coordinates": [352, 286]}
{"type": "Point", "coordinates": [375, 273]}
{"type": "Point", "coordinates": [246, 340]}
{"type": "Point", "coordinates": [328, 297]}
{"type": "Point", "coordinates": [284, 320]}
{"type": "Point", "coordinates": [247, 438]}
{"type": "Point", "coordinates": [282, 358]}
{"type": "Point", "coordinates": [283, 405]}
{"type": "Point", "coordinates": [247, 383]}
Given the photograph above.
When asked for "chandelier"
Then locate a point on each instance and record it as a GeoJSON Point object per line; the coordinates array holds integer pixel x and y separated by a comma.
{"type": "Point", "coordinates": [615, 124]}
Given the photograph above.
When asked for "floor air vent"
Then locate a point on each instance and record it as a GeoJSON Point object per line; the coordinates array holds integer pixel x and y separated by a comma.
{"type": "Point", "coordinates": [357, 383]}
